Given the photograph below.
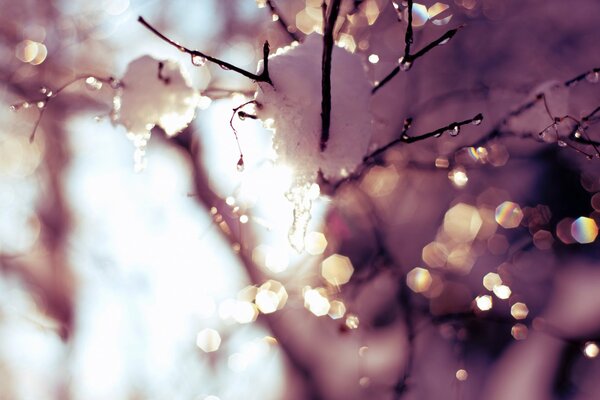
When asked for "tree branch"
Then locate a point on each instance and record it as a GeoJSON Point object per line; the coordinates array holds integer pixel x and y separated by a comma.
{"type": "Point", "coordinates": [194, 54]}
{"type": "Point", "coordinates": [407, 61]}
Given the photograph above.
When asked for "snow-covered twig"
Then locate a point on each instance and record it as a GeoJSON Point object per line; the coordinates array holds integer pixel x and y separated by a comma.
{"type": "Point", "coordinates": [328, 41]}
{"type": "Point", "coordinates": [195, 54]}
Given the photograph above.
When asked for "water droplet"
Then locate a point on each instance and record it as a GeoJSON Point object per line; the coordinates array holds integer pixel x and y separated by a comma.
{"type": "Point", "coordinates": [548, 135]}
{"type": "Point", "coordinates": [98, 118]}
{"type": "Point", "coordinates": [25, 105]}
{"type": "Point", "coordinates": [593, 77]}
{"type": "Point", "coordinates": [114, 83]}
{"type": "Point", "coordinates": [13, 107]}
{"type": "Point", "coordinates": [405, 137]}
{"type": "Point", "coordinates": [578, 134]}
{"type": "Point", "coordinates": [224, 67]}
{"type": "Point", "coordinates": [198, 60]}
{"type": "Point", "coordinates": [405, 65]}
{"type": "Point", "coordinates": [240, 164]}
{"type": "Point", "coordinates": [437, 135]}
{"type": "Point", "coordinates": [478, 119]}
{"type": "Point", "coordinates": [454, 130]}
{"type": "Point", "coordinates": [444, 41]}
{"type": "Point", "coordinates": [92, 83]}
{"type": "Point", "coordinates": [562, 143]}
{"type": "Point", "coordinates": [43, 90]}
{"type": "Point", "coordinates": [241, 115]}
{"type": "Point", "coordinates": [589, 157]}
{"type": "Point", "coordinates": [41, 104]}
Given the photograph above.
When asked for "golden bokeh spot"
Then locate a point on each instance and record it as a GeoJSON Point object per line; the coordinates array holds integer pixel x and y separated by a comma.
{"type": "Point", "coordinates": [519, 331]}
{"type": "Point", "coordinates": [491, 280]}
{"type": "Point", "coordinates": [315, 243]}
{"type": "Point", "coordinates": [462, 222]}
{"type": "Point", "coordinates": [418, 280]}
{"type": "Point", "coordinates": [591, 350]}
{"type": "Point", "coordinates": [316, 301]}
{"type": "Point", "coordinates": [502, 291]}
{"type": "Point", "coordinates": [519, 310]}
{"type": "Point", "coordinates": [462, 374]}
{"type": "Point", "coordinates": [352, 321]}
{"type": "Point", "coordinates": [337, 269]}
{"type": "Point", "coordinates": [271, 296]}
{"type": "Point", "coordinates": [484, 303]}
{"type": "Point", "coordinates": [337, 309]}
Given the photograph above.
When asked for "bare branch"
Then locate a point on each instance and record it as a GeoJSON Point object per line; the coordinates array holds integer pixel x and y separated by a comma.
{"type": "Point", "coordinates": [41, 103]}
{"type": "Point", "coordinates": [407, 61]}
{"type": "Point", "coordinates": [452, 129]}
{"type": "Point", "coordinates": [263, 77]}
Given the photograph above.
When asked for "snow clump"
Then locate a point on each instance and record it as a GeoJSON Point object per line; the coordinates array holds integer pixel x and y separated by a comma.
{"type": "Point", "coordinates": [292, 109]}
{"type": "Point", "coordinates": [153, 92]}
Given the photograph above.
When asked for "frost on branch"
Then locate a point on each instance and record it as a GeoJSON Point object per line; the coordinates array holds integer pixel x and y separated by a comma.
{"type": "Point", "coordinates": [292, 109]}
{"type": "Point", "coordinates": [153, 93]}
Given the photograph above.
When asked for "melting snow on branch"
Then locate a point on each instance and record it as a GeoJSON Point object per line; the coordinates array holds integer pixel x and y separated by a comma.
{"type": "Point", "coordinates": [153, 93]}
{"type": "Point", "coordinates": [292, 109]}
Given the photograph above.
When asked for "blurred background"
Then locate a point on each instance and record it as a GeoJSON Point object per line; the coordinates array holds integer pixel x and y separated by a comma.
{"type": "Point", "coordinates": [457, 267]}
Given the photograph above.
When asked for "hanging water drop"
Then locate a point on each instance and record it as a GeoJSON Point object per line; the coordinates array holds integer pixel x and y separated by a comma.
{"type": "Point", "coordinates": [562, 143]}
{"type": "Point", "coordinates": [478, 119]}
{"type": "Point", "coordinates": [240, 164]}
{"type": "Point", "coordinates": [577, 134]}
{"type": "Point", "coordinates": [405, 137]}
{"type": "Point", "coordinates": [13, 107]}
{"type": "Point", "coordinates": [404, 65]}
{"type": "Point", "coordinates": [25, 105]}
{"type": "Point", "coordinates": [593, 77]}
{"type": "Point", "coordinates": [454, 130]}
{"type": "Point", "coordinates": [444, 41]}
{"type": "Point", "coordinates": [41, 104]}
{"type": "Point", "coordinates": [437, 135]}
{"type": "Point", "coordinates": [198, 60]}
{"type": "Point", "coordinates": [43, 90]}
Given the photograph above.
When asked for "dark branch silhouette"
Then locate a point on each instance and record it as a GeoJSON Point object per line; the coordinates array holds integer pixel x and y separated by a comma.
{"type": "Point", "coordinates": [198, 55]}
{"type": "Point", "coordinates": [328, 41]}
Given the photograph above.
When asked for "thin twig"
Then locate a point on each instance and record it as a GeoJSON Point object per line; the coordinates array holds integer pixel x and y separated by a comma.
{"type": "Point", "coordinates": [453, 127]}
{"type": "Point", "coordinates": [408, 59]}
{"type": "Point", "coordinates": [262, 77]}
{"type": "Point", "coordinates": [328, 41]}
{"type": "Point", "coordinates": [498, 129]}
{"type": "Point", "coordinates": [41, 103]}
{"type": "Point", "coordinates": [240, 163]}
{"type": "Point", "coordinates": [276, 14]}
